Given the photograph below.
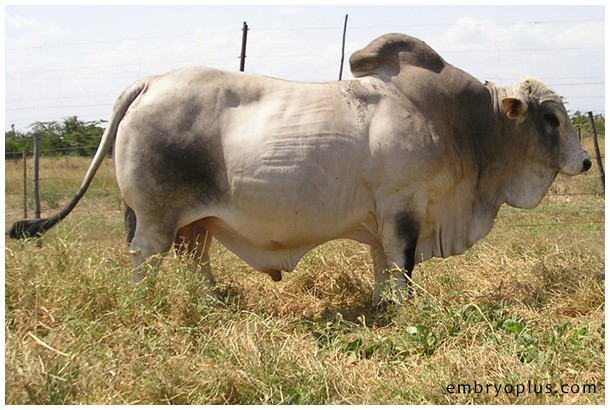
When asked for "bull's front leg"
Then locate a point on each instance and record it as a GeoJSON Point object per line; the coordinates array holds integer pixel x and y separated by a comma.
{"type": "Point", "coordinates": [380, 267]}
{"type": "Point", "coordinates": [394, 261]}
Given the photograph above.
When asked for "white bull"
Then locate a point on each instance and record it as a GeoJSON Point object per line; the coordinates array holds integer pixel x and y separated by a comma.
{"type": "Point", "coordinates": [413, 157]}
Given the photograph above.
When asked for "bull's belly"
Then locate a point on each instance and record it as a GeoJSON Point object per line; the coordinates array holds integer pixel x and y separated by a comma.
{"type": "Point", "coordinates": [265, 256]}
{"type": "Point", "coordinates": [271, 247]}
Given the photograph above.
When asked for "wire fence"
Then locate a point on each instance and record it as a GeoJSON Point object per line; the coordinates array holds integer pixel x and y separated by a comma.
{"type": "Point", "coordinates": [65, 150]}
{"type": "Point", "coordinates": [57, 189]}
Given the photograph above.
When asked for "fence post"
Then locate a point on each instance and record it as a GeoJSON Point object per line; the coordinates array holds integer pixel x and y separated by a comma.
{"type": "Point", "coordinates": [25, 185]}
{"type": "Point", "coordinates": [597, 154]}
{"type": "Point", "coordinates": [36, 179]}
{"type": "Point", "coordinates": [343, 48]}
{"type": "Point", "coordinates": [244, 38]}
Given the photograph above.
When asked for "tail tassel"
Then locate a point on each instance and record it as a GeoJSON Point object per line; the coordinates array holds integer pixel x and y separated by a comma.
{"type": "Point", "coordinates": [31, 228]}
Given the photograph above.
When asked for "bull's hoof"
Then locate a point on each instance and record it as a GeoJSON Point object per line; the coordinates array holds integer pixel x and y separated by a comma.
{"type": "Point", "coordinates": [385, 306]}
{"type": "Point", "coordinates": [275, 275]}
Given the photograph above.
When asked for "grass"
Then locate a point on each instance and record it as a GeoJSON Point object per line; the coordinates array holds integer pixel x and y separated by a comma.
{"type": "Point", "coordinates": [525, 305]}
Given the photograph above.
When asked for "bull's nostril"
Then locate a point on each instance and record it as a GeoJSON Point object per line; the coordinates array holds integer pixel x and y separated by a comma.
{"type": "Point", "coordinates": [586, 165]}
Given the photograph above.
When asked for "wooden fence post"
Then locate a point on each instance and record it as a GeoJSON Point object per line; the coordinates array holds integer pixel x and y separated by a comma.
{"type": "Point", "coordinates": [343, 49]}
{"type": "Point", "coordinates": [597, 153]}
{"type": "Point", "coordinates": [244, 39]}
{"type": "Point", "coordinates": [25, 185]}
{"type": "Point", "coordinates": [36, 179]}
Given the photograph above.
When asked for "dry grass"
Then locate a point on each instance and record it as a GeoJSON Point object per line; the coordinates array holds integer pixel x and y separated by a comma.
{"type": "Point", "coordinates": [524, 305]}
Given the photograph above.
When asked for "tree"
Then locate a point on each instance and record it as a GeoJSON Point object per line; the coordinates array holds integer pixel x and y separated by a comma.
{"type": "Point", "coordinates": [581, 120]}
{"type": "Point", "coordinates": [15, 143]}
{"type": "Point", "coordinates": [82, 136]}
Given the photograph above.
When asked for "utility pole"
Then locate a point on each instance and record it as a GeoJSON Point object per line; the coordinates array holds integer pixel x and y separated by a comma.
{"type": "Point", "coordinates": [244, 38]}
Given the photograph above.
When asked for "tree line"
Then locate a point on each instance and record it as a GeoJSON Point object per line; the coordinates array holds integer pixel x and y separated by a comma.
{"type": "Point", "coordinates": [73, 137]}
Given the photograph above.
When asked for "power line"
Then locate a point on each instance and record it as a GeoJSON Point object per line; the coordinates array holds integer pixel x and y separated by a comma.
{"type": "Point", "coordinates": [570, 84]}
{"type": "Point", "coordinates": [62, 98]}
{"type": "Point", "coordinates": [513, 23]}
{"type": "Point", "coordinates": [202, 33]}
{"type": "Point", "coordinates": [114, 96]}
{"type": "Point", "coordinates": [108, 105]}
{"type": "Point", "coordinates": [506, 50]}
{"type": "Point", "coordinates": [92, 43]}
{"type": "Point", "coordinates": [56, 106]}
{"type": "Point", "coordinates": [97, 67]}
{"type": "Point", "coordinates": [597, 80]}
{"type": "Point", "coordinates": [150, 63]}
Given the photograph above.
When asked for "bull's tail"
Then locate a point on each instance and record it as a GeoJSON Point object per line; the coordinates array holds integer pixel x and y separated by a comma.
{"type": "Point", "coordinates": [36, 227]}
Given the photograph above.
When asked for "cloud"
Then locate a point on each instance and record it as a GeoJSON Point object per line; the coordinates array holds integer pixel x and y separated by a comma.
{"type": "Point", "coordinates": [469, 33]}
{"type": "Point", "coordinates": [22, 23]}
{"type": "Point", "coordinates": [24, 32]}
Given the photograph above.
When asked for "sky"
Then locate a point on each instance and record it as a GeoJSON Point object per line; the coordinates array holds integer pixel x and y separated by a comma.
{"type": "Point", "coordinates": [63, 61]}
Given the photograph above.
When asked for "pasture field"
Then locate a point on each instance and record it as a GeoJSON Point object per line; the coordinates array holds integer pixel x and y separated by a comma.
{"type": "Point", "coordinates": [518, 319]}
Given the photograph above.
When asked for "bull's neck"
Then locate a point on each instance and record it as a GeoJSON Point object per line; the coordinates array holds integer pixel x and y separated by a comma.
{"type": "Point", "coordinates": [488, 132]}
{"type": "Point", "coordinates": [506, 170]}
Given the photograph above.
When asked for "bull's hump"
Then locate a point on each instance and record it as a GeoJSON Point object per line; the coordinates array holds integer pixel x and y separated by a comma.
{"type": "Point", "coordinates": [389, 53]}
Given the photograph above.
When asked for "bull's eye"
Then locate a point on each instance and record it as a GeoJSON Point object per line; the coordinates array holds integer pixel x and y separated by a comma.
{"type": "Point", "coordinates": [551, 119]}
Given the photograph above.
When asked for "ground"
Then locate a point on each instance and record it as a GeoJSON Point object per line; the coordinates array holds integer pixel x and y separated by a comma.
{"type": "Point", "coordinates": [518, 319]}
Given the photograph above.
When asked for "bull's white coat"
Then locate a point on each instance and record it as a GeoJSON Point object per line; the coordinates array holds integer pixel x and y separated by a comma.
{"type": "Point", "coordinates": [411, 150]}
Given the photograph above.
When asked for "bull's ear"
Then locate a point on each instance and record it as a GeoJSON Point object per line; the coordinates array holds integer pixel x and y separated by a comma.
{"type": "Point", "coordinates": [514, 108]}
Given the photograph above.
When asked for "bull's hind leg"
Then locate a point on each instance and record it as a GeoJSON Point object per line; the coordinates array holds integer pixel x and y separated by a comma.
{"type": "Point", "coordinates": [130, 223]}
{"type": "Point", "coordinates": [195, 241]}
